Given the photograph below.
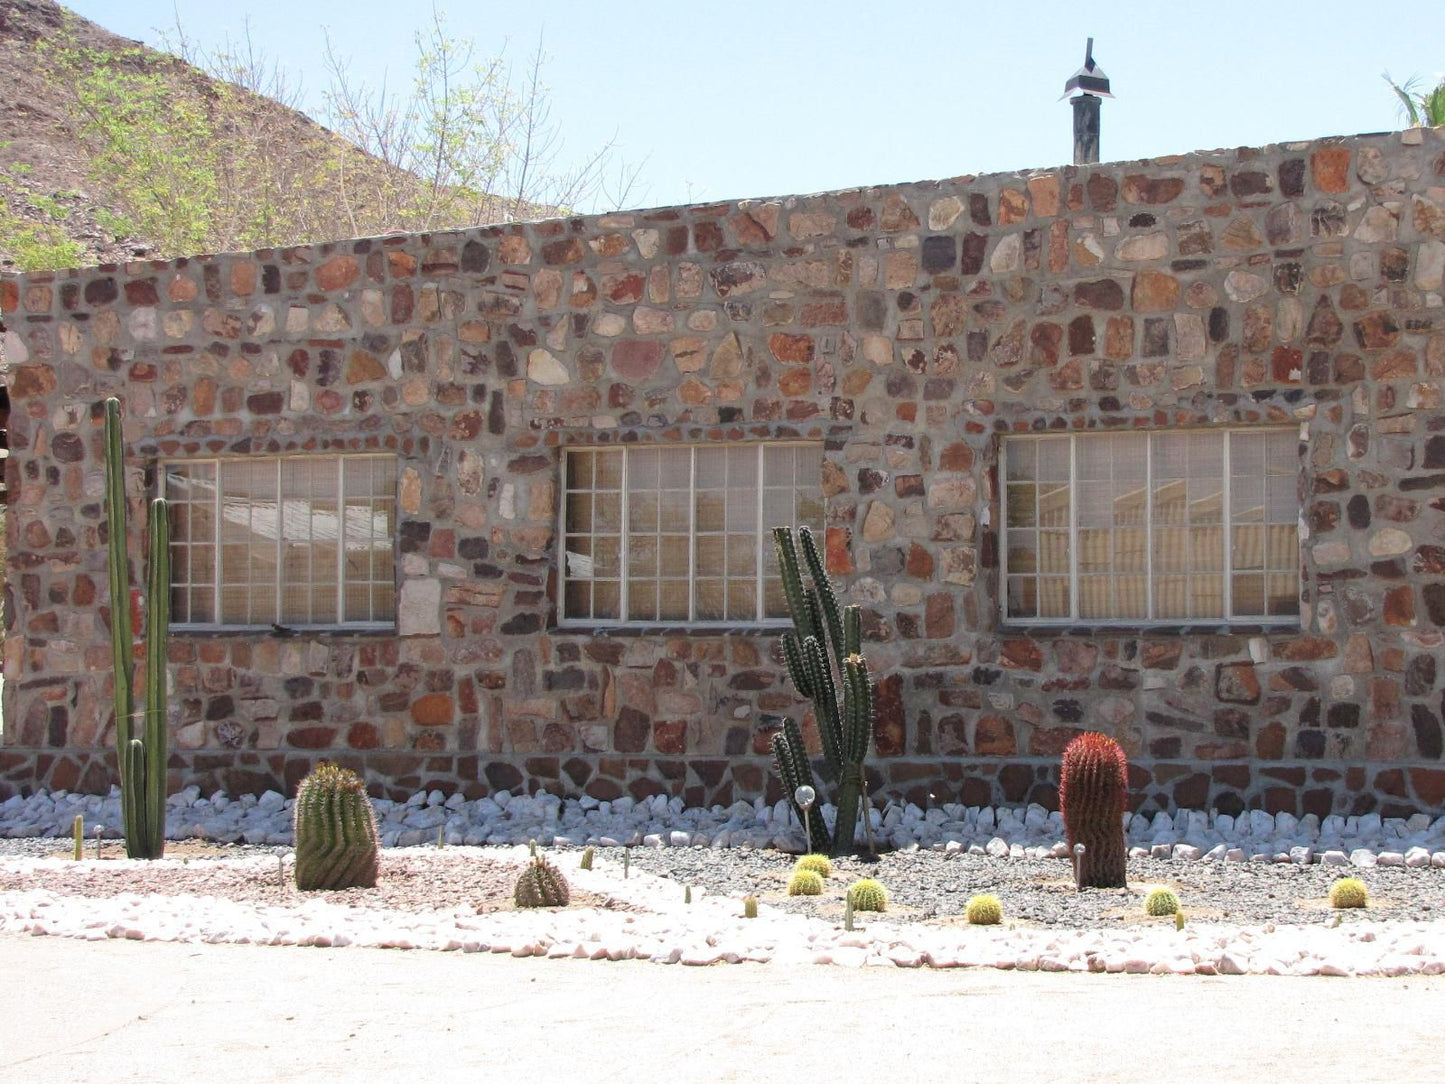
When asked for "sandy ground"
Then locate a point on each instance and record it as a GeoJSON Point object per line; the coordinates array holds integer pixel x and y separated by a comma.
{"type": "Point", "coordinates": [120, 1011]}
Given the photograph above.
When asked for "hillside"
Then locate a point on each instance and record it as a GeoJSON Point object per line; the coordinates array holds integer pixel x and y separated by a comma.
{"type": "Point", "coordinates": [202, 166]}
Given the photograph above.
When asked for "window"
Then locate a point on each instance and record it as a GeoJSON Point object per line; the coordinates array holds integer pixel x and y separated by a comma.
{"type": "Point", "coordinates": [682, 535]}
{"type": "Point", "coordinates": [1160, 528]}
{"type": "Point", "coordinates": [303, 540]}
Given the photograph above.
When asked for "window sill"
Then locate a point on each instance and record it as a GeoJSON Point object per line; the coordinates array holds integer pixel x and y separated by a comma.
{"type": "Point", "coordinates": [1107, 630]}
{"type": "Point", "coordinates": [638, 631]}
{"type": "Point", "coordinates": [271, 632]}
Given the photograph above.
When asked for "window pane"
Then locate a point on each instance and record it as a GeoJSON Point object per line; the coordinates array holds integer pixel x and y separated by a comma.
{"type": "Point", "coordinates": [1157, 528]}
{"type": "Point", "coordinates": [249, 541]}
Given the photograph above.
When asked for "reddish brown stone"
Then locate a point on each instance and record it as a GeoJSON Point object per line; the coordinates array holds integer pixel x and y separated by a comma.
{"type": "Point", "coordinates": [993, 735]}
{"type": "Point", "coordinates": [363, 736]}
{"type": "Point", "coordinates": [1269, 744]}
{"type": "Point", "coordinates": [1286, 365]}
{"type": "Point", "coordinates": [31, 381]}
{"type": "Point", "coordinates": [1306, 649]}
{"type": "Point", "coordinates": [956, 456]}
{"type": "Point", "coordinates": [1020, 654]}
{"type": "Point", "coordinates": [1104, 294]}
{"type": "Point", "coordinates": [938, 617]}
{"type": "Point", "coordinates": [670, 737]}
{"type": "Point", "coordinates": [791, 349]}
{"type": "Point", "coordinates": [1376, 331]}
{"type": "Point", "coordinates": [1051, 741]}
{"type": "Point", "coordinates": [1160, 654]}
{"type": "Point", "coordinates": [563, 252]}
{"type": "Point", "coordinates": [920, 562]}
{"type": "Point", "coordinates": [1139, 188]}
{"type": "Point", "coordinates": [311, 737]}
{"type": "Point", "coordinates": [889, 727]}
{"type": "Point", "coordinates": [1400, 606]}
{"type": "Point", "coordinates": [636, 360]}
{"type": "Point", "coordinates": [631, 732]}
{"type": "Point", "coordinates": [1155, 291]}
{"type": "Point", "coordinates": [1330, 167]}
{"type": "Point", "coordinates": [1429, 787]}
{"type": "Point", "coordinates": [337, 273]}
{"type": "Point", "coordinates": [434, 709]}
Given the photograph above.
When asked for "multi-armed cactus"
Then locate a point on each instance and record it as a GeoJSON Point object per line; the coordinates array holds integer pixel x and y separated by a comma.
{"type": "Point", "coordinates": [1092, 790]}
{"type": "Point", "coordinates": [823, 653]}
{"type": "Point", "coordinates": [142, 761]}
{"type": "Point", "coordinates": [541, 884]}
{"type": "Point", "coordinates": [335, 836]}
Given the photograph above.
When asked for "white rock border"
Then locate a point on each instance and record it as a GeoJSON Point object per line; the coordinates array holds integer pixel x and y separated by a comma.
{"type": "Point", "coordinates": [712, 930]}
{"type": "Point", "coordinates": [506, 819]}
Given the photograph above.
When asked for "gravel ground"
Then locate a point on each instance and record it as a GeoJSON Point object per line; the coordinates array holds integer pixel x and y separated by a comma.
{"type": "Point", "coordinates": [927, 886]}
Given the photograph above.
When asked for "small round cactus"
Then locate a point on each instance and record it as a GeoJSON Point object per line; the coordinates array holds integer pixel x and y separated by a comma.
{"type": "Point", "coordinates": [820, 864]}
{"type": "Point", "coordinates": [868, 895]}
{"type": "Point", "coordinates": [750, 907]}
{"type": "Point", "coordinates": [1161, 902]}
{"type": "Point", "coordinates": [587, 858]}
{"type": "Point", "coordinates": [1349, 892]}
{"type": "Point", "coordinates": [805, 882]}
{"type": "Point", "coordinates": [541, 884]}
{"type": "Point", "coordinates": [984, 911]}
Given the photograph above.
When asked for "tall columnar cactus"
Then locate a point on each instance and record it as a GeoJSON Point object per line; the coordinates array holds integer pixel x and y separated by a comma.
{"type": "Point", "coordinates": [142, 760]}
{"type": "Point", "coordinates": [823, 653]}
{"type": "Point", "coordinates": [1092, 790]}
{"type": "Point", "coordinates": [335, 831]}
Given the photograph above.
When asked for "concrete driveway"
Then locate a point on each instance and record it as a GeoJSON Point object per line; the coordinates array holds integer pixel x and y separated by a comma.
{"type": "Point", "coordinates": [115, 1010]}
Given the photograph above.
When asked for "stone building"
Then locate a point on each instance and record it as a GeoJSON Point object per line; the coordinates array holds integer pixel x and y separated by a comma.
{"type": "Point", "coordinates": [1155, 448]}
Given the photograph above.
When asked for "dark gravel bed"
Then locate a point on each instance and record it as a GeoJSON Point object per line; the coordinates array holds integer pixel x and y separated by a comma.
{"type": "Point", "coordinates": [933, 885]}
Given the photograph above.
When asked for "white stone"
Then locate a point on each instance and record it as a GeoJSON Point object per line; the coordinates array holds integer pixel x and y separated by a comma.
{"type": "Point", "coordinates": [418, 612]}
{"type": "Point", "coordinates": [1390, 858]}
{"type": "Point", "coordinates": [1417, 858]}
{"type": "Point", "coordinates": [544, 368]}
{"type": "Point", "coordinates": [1363, 858]}
{"type": "Point", "coordinates": [1184, 852]}
{"type": "Point", "coordinates": [997, 847]}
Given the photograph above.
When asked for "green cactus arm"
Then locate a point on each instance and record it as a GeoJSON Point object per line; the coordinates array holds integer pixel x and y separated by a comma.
{"type": "Point", "coordinates": [825, 702]}
{"type": "Point", "coordinates": [792, 580]}
{"type": "Point", "coordinates": [122, 657]}
{"type": "Point", "coordinates": [793, 656]}
{"type": "Point", "coordinates": [858, 706]}
{"type": "Point", "coordinates": [814, 609]}
{"type": "Point", "coordinates": [158, 624]}
{"type": "Point", "coordinates": [132, 796]}
{"type": "Point", "coordinates": [852, 630]}
{"type": "Point", "coordinates": [827, 597]}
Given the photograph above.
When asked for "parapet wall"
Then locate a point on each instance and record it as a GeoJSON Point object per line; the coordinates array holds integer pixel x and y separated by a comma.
{"type": "Point", "coordinates": [907, 328]}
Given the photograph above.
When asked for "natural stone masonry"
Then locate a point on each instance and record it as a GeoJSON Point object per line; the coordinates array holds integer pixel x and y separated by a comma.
{"type": "Point", "coordinates": [906, 328]}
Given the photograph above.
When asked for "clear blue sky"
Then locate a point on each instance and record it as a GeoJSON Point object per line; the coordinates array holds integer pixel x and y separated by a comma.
{"type": "Point", "coordinates": [751, 99]}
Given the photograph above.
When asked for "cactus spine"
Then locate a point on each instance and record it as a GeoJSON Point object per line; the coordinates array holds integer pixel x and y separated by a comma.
{"type": "Point", "coordinates": [805, 882]}
{"type": "Point", "coordinates": [141, 760]}
{"type": "Point", "coordinates": [541, 884]}
{"type": "Point", "coordinates": [1161, 902]}
{"type": "Point", "coordinates": [335, 831]}
{"type": "Point", "coordinates": [1092, 789]}
{"type": "Point", "coordinates": [868, 895]}
{"type": "Point", "coordinates": [1349, 892]}
{"type": "Point", "coordinates": [823, 652]}
{"type": "Point", "coordinates": [984, 910]}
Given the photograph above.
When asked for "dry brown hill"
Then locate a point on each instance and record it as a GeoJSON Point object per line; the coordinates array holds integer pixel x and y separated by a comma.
{"type": "Point", "coordinates": [46, 169]}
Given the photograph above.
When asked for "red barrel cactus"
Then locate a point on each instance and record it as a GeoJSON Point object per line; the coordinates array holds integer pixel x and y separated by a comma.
{"type": "Point", "coordinates": [1091, 798]}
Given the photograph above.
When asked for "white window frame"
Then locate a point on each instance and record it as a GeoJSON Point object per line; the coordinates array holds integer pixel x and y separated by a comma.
{"type": "Point", "coordinates": [341, 459]}
{"type": "Point", "coordinates": [1226, 571]}
{"type": "Point", "coordinates": [764, 544]}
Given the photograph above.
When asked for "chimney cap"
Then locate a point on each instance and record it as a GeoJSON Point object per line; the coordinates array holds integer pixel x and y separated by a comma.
{"type": "Point", "coordinates": [1090, 79]}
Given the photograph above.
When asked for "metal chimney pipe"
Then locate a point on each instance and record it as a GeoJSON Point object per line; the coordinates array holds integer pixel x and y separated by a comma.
{"type": "Point", "coordinates": [1086, 128]}
{"type": "Point", "coordinates": [1092, 86]}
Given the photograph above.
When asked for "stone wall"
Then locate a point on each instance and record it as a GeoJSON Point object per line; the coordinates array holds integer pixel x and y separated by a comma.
{"type": "Point", "coordinates": [908, 328]}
